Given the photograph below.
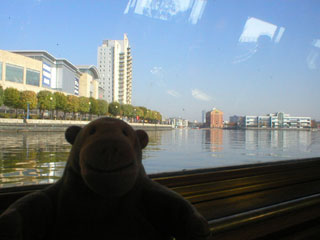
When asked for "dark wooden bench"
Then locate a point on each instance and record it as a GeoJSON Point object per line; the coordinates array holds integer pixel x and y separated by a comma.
{"type": "Point", "coordinates": [263, 201]}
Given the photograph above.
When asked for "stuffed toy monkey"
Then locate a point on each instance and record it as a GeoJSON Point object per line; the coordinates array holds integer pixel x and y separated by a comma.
{"type": "Point", "coordinates": [104, 193]}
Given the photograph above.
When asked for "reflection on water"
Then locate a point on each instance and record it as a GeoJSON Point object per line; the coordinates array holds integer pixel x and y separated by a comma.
{"type": "Point", "coordinates": [191, 149]}
{"type": "Point", "coordinates": [214, 140]}
{"type": "Point", "coordinates": [31, 158]}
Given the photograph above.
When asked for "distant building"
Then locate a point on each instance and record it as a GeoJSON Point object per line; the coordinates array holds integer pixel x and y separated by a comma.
{"type": "Point", "coordinates": [314, 124]}
{"type": "Point", "coordinates": [236, 121]}
{"type": "Point", "coordinates": [39, 70]}
{"type": "Point", "coordinates": [250, 121]}
{"type": "Point", "coordinates": [178, 122]}
{"type": "Point", "coordinates": [57, 74]}
{"type": "Point", "coordinates": [194, 124]}
{"type": "Point", "coordinates": [277, 120]}
{"type": "Point", "coordinates": [214, 118]}
{"type": "Point", "coordinates": [115, 68]}
{"type": "Point", "coordinates": [88, 84]}
{"type": "Point", "coordinates": [203, 116]}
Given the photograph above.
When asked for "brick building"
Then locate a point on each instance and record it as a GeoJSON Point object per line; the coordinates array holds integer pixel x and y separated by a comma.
{"type": "Point", "coordinates": [214, 118]}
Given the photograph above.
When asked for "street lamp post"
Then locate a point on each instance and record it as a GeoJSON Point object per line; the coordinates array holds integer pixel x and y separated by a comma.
{"type": "Point", "coordinates": [116, 110]}
{"type": "Point", "coordinates": [90, 111]}
{"type": "Point", "coordinates": [51, 107]}
{"type": "Point", "coordinates": [147, 113]}
{"type": "Point", "coordinates": [28, 110]}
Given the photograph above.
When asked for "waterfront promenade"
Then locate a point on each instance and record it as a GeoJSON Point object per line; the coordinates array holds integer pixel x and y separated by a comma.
{"type": "Point", "coordinates": [45, 125]}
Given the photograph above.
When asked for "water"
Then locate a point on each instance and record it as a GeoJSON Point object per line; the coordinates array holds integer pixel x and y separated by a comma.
{"type": "Point", "coordinates": [32, 158]}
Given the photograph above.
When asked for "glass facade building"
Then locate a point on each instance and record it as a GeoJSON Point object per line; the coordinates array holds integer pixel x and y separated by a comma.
{"type": "Point", "coordinates": [33, 77]}
{"type": "Point", "coordinates": [276, 120]}
{"type": "Point", "coordinates": [14, 73]}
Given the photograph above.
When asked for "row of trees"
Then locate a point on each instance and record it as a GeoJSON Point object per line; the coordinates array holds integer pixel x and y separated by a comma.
{"type": "Point", "coordinates": [61, 104]}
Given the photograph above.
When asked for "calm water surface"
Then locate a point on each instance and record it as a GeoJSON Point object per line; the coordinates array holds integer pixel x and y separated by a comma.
{"type": "Point", "coordinates": [31, 158]}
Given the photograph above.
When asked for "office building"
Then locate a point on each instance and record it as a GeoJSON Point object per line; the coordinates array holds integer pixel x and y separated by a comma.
{"type": "Point", "coordinates": [277, 120]}
{"type": "Point", "coordinates": [203, 116]}
{"type": "Point", "coordinates": [236, 121]}
{"type": "Point", "coordinates": [39, 70]}
{"type": "Point", "coordinates": [214, 118]}
{"type": "Point", "coordinates": [88, 84]}
{"type": "Point", "coordinates": [115, 68]}
{"type": "Point", "coordinates": [178, 122]}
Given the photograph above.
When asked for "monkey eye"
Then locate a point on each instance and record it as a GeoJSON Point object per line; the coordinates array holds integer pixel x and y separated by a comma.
{"type": "Point", "coordinates": [92, 131]}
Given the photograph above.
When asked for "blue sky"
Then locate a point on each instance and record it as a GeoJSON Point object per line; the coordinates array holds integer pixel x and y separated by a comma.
{"type": "Point", "coordinates": [243, 57]}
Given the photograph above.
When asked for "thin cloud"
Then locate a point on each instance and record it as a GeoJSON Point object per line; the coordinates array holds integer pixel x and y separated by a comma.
{"type": "Point", "coordinates": [173, 93]}
{"type": "Point", "coordinates": [197, 94]}
{"type": "Point", "coordinates": [156, 70]}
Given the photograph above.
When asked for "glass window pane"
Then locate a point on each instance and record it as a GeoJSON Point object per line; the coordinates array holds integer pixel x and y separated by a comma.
{"type": "Point", "coordinates": [33, 77]}
{"type": "Point", "coordinates": [257, 63]}
{"type": "Point", "coordinates": [14, 73]}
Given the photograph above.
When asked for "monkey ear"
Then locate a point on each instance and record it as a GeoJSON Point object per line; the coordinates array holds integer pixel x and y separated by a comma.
{"type": "Point", "coordinates": [71, 133]}
{"type": "Point", "coordinates": [143, 138]}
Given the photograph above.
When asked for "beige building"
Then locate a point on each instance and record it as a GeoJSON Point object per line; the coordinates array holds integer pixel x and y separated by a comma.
{"type": "Point", "coordinates": [88, 83]}
{"type": "Point", "coordinates": [31, 70]}
{"type": "Point", "coordinates": [20, 72]}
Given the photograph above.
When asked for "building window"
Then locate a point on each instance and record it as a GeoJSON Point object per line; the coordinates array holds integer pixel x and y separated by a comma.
{"type": "Point", "coordinates": [33, 77]}
{"type": "Point", "coordinates": [0, 70]}
{"type": "Point", "coordinates": [14, 73]}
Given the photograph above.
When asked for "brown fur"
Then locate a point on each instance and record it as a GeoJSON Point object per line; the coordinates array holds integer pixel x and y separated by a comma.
{"type": "Point", "coordinates": [104, 193]}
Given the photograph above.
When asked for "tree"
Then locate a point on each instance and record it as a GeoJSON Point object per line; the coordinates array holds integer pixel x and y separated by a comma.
{"type": "Point", "coordinates": [158, 116]}
{"type": "Point", "coordinates": [114, 108]}
{"type": "Point", "coordinates": [154, 116]}
{"type": "Point", "coordinates": [144, 110]}
{"type": "Point", "coordinates": [102, 107]}
{"type": "Point", "coordinates": [12, 98]}
{"type": "Point", "coordinates": [46, 101]}
{"type": "Point", "coordinates": [139, 112]}
{"type": "Point", "coordinates": [84, 106]}
{"type": "Point", "coordinates": [61, 101]}
{"type": "Point", "coordinates": [28, 97]}
{"type": "Point", "coordinates": [1, 96]}
{"type": "Point", "coordinates": [148, 115]}
{"type": "Point", "coordinates": [72, 104]}
{"type": "Point", "coordinates": [127, 110]}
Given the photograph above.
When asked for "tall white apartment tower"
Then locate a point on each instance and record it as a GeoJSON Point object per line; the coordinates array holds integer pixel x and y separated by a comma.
{"type": "Point", "coordinates": [115, 69]}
